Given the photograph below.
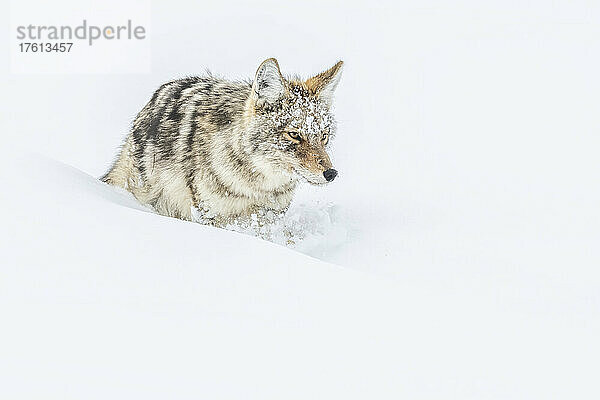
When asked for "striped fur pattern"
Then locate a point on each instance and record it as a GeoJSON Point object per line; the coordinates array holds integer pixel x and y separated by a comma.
{"type": "Point", "coordinates": [208, 149]}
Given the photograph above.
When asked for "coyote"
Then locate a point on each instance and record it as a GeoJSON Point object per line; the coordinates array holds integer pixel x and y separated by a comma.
{"type": "Point", "coordinates": [208, 150]}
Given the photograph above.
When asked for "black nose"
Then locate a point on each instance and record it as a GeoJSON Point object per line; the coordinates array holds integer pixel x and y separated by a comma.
{"type": "Point", "coordinates": [330, 174]}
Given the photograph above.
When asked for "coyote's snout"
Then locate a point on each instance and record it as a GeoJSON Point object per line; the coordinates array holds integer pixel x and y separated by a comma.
{"type": "Point", "coordinates": [208, 148]}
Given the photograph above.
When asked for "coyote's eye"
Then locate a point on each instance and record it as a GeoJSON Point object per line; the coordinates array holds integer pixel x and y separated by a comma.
{"type": "Point", "coordinates": [294, 136]}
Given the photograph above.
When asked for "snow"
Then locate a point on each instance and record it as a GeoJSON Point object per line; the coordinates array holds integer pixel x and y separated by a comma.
{"type": "Point", "coordinates": [455, 256]}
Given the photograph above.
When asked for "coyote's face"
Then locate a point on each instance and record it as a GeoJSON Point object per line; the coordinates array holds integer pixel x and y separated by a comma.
{"type": "Point", "coordinates": [291, 121]}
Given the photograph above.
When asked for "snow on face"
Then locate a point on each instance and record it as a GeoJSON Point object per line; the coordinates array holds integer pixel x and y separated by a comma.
{"type": "Point", "coordinates": [306, 114]}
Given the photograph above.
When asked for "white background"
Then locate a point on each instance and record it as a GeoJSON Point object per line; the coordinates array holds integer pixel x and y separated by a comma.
{"type": "Point", "coordinates": [468, 189]}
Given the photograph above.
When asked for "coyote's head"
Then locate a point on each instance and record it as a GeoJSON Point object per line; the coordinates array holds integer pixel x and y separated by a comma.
{"type": "Point", "coordinates": [290, 122]}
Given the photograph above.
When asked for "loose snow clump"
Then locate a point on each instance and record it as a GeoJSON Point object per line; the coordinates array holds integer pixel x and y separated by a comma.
{"type": "Point", "coordinates": [313, 230]}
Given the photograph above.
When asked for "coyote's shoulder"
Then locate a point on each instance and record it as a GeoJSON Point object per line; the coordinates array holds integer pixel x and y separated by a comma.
{"type": "Point", "coordinates": [207, 148]}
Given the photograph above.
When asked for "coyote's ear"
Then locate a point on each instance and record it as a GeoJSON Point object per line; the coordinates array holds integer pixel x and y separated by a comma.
{"type": "Point", "coordinates": [325, 83]}
{"type": "Point", "coordinates": [268, 83]}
